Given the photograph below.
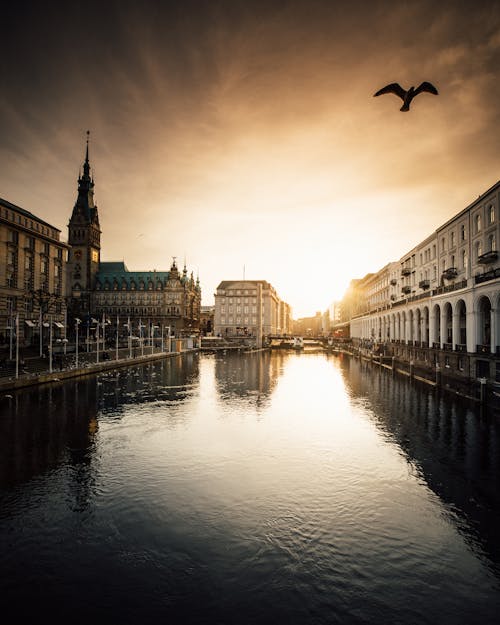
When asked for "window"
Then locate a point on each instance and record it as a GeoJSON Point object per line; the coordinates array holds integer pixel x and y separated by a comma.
{"type": "Point", "coordinates": [477, 222]}
{"type": "Point", "coordinates": [492, 243]}
{"type": "Point", "coordinates": [13, 236]}
{"type": "Point", "coordinates": [479, 249]}
{"type": "Point", "coordinates": [463, 233]}
{"type": "Point", "coordinates": [491, 214]}
{"type": "Point", "coordinates": [443, 244]}
{"type": "Point", "coordinates": [11, 258]}
{"type": "Point", "coordinates": [464, 259]}
{"type": "Point", "coordinates": [452, 238]}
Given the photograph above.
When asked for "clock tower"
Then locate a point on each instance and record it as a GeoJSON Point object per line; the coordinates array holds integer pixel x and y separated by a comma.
{"type": "Point", "coordinates": [84, 238]}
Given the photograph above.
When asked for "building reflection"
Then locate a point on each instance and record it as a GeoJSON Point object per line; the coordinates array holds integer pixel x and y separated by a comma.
{"type": "Point", "coordinates": [453, 444]}
{"type": "Point", "coordinates": [169, 379]}
{"type": "Point", "coordinates": [43, 427]}
{"type": "Point", "coordinates": [252, 378]}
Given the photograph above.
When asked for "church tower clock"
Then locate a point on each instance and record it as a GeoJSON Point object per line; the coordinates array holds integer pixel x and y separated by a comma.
{"type": "Point", "coordinates": [84, 238]}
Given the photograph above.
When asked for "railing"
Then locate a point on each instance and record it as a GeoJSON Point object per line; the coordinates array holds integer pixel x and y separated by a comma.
{"type": "Point", "coordinates": [405, 271]}
{"type": "Point", "coordinates": [487, 275]}
{"type": "Point", "coordinates": [450, 287]}
{"type": "Point", "coordinates": [450, 273]}
{"type": "Point", "coordinates": [483, 349]}
{"type": "Point", "coordinates": [488, 257]}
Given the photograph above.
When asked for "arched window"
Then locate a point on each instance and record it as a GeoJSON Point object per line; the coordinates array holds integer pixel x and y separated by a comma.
{"type": "Point", "coordinates": [492, 243]}
{"type": "Point", "coordinates": [477, 222]}
{"type": "Point", "coordinates": [479, 249]}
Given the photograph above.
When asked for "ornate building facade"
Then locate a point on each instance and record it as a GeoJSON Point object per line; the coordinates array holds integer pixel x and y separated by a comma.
{"type": "Point", "coordinates": [109, 292]}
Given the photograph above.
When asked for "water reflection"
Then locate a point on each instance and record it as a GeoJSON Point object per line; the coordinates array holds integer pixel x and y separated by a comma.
{"type": "Point", "coordinates": [252, 378]}
{"type": "Point", "coordinates": [451, 443]}
{"type": "Point", "coordinates": [247, 489]}
{"type": "Point", "coordinates": [42, 427]}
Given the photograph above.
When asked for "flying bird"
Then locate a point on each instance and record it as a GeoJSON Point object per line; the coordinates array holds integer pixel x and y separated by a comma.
{"type": "Point", "coordinates": [407, 96]}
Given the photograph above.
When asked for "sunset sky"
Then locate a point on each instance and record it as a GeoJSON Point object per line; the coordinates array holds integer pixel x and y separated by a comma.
{"type": "Point", "coordinates": [244, 133]}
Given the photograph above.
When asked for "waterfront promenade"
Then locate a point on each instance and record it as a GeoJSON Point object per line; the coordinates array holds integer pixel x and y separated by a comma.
{"type": "Point", "coordinates": [30, 369]}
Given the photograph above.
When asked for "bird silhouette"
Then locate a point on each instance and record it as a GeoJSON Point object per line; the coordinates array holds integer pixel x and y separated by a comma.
{"type": "Point", "coordinates": [407, 96]}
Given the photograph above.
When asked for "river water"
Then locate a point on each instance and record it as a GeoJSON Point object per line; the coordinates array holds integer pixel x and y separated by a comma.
{"type": "Point", "coordinates": [257, 488]}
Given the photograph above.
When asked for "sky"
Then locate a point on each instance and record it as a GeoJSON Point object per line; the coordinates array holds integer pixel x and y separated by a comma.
{"type": "Point", "coordinates": [242, 136]}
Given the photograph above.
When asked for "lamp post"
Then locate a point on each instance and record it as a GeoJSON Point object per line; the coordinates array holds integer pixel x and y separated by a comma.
{"type": "Point", "coordinates": [17, 345]}
{"type": "Point", "coordinates": [141, 339]}
{"type": "Point", "coordinates": [50, 344]}
{"type": "Point", "coordinates": [129, 328]}
{"type": "Point", "coordinates": [97, 341]}
{"type": "Point", "coordinates": [77, 325]}
{"type": "Point", "coordinates": [104, 323]}
{"type": "Point", "coordinates": [117, 336]}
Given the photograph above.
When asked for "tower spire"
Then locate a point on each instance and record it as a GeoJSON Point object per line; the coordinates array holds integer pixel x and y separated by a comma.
{"type": "Point", "coordinates": [86, 165]}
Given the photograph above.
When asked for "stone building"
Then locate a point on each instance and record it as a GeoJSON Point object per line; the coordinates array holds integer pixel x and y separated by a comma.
{"type": "Point", "coordinates": [249, 308]}
{"type": "Point", "coordinates": [108, 291]}
{"type": "Point", "coordinates": [32, 277]}
{"type": "Point", "coordinates": [443, 295]}
{"type": "Point", "coordinates": [150, 299]}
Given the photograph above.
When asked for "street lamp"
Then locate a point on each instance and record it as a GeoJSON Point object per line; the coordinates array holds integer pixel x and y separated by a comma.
{"type": "Point", "coordinates": [77, 325]}
{"type": "Point", "coordinates": [50, 344]}
{"type": "Point", "coordinates": [17, 345]}
{"type": "Point", "coordinates": [128, 325]}
{"type": "Point", "coordinates": [153, 328]}
{"type": "Point", "coordinates": [117, 336]}
{"type": "Point", "coordinates": [141, 338]}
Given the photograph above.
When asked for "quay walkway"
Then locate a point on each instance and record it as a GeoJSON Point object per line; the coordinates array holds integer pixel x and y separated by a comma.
{"type": "Point", "coordinates": [34, 370]}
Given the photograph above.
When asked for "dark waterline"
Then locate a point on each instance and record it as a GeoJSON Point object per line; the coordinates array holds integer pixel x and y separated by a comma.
{"type": "Point", "coordinates": [251, 488]}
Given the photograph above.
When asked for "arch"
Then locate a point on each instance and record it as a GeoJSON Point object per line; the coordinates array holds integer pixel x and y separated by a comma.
{"type": "Point", "coordinates": [403, 326]}
{"type": "Point", "coordinates": [484, 313]}
{"type": "Point", "coordinates": [418, 326]}
{"type": "Point", "coordinates": [447, 333]}
{"type": "Point", "coordinates": [436, 321]}
{"type": "Point", "coordinates": [461, 330]}
{"type": "Point", "coordinates": [425, 325]}
{"type": "Point", "coordinates": [411, 326]}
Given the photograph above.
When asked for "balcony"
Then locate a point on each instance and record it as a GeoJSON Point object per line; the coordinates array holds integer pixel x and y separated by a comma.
{"type": "Point", "coordinates": [488, 257]}
{"type": "Point", "coordinates": [483, 349]}
{"type": "Point", "coordinates": [394, 282]}
{"type": "Point", "coordinates": [424, 284]}
{"type": "Point", "coordinates": [450, 273]}
{"type": "Point", "coordinates": [487, 275]}
{"type": "Point", "coordinates": [406, 289]}
{"type": "Point", "coordinates": [405, 271]}
{"type": "Point", "coordinates": [460, 347]}
{"type": "Point", "coordinates": [393, 298]}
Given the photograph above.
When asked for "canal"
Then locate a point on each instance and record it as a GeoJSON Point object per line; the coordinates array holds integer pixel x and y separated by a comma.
{"type": "Point", "coordinates": [249, 488]}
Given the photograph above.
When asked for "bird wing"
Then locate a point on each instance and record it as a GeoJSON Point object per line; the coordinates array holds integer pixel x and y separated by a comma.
{"type": "Point", "coordinates": [392, 88]}
{"type": "Point", "coordinates": [426, 86]}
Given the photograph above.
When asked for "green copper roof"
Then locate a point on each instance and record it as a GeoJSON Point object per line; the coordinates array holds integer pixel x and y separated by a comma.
{"type": "Point", "coordinates": [111, 271]}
